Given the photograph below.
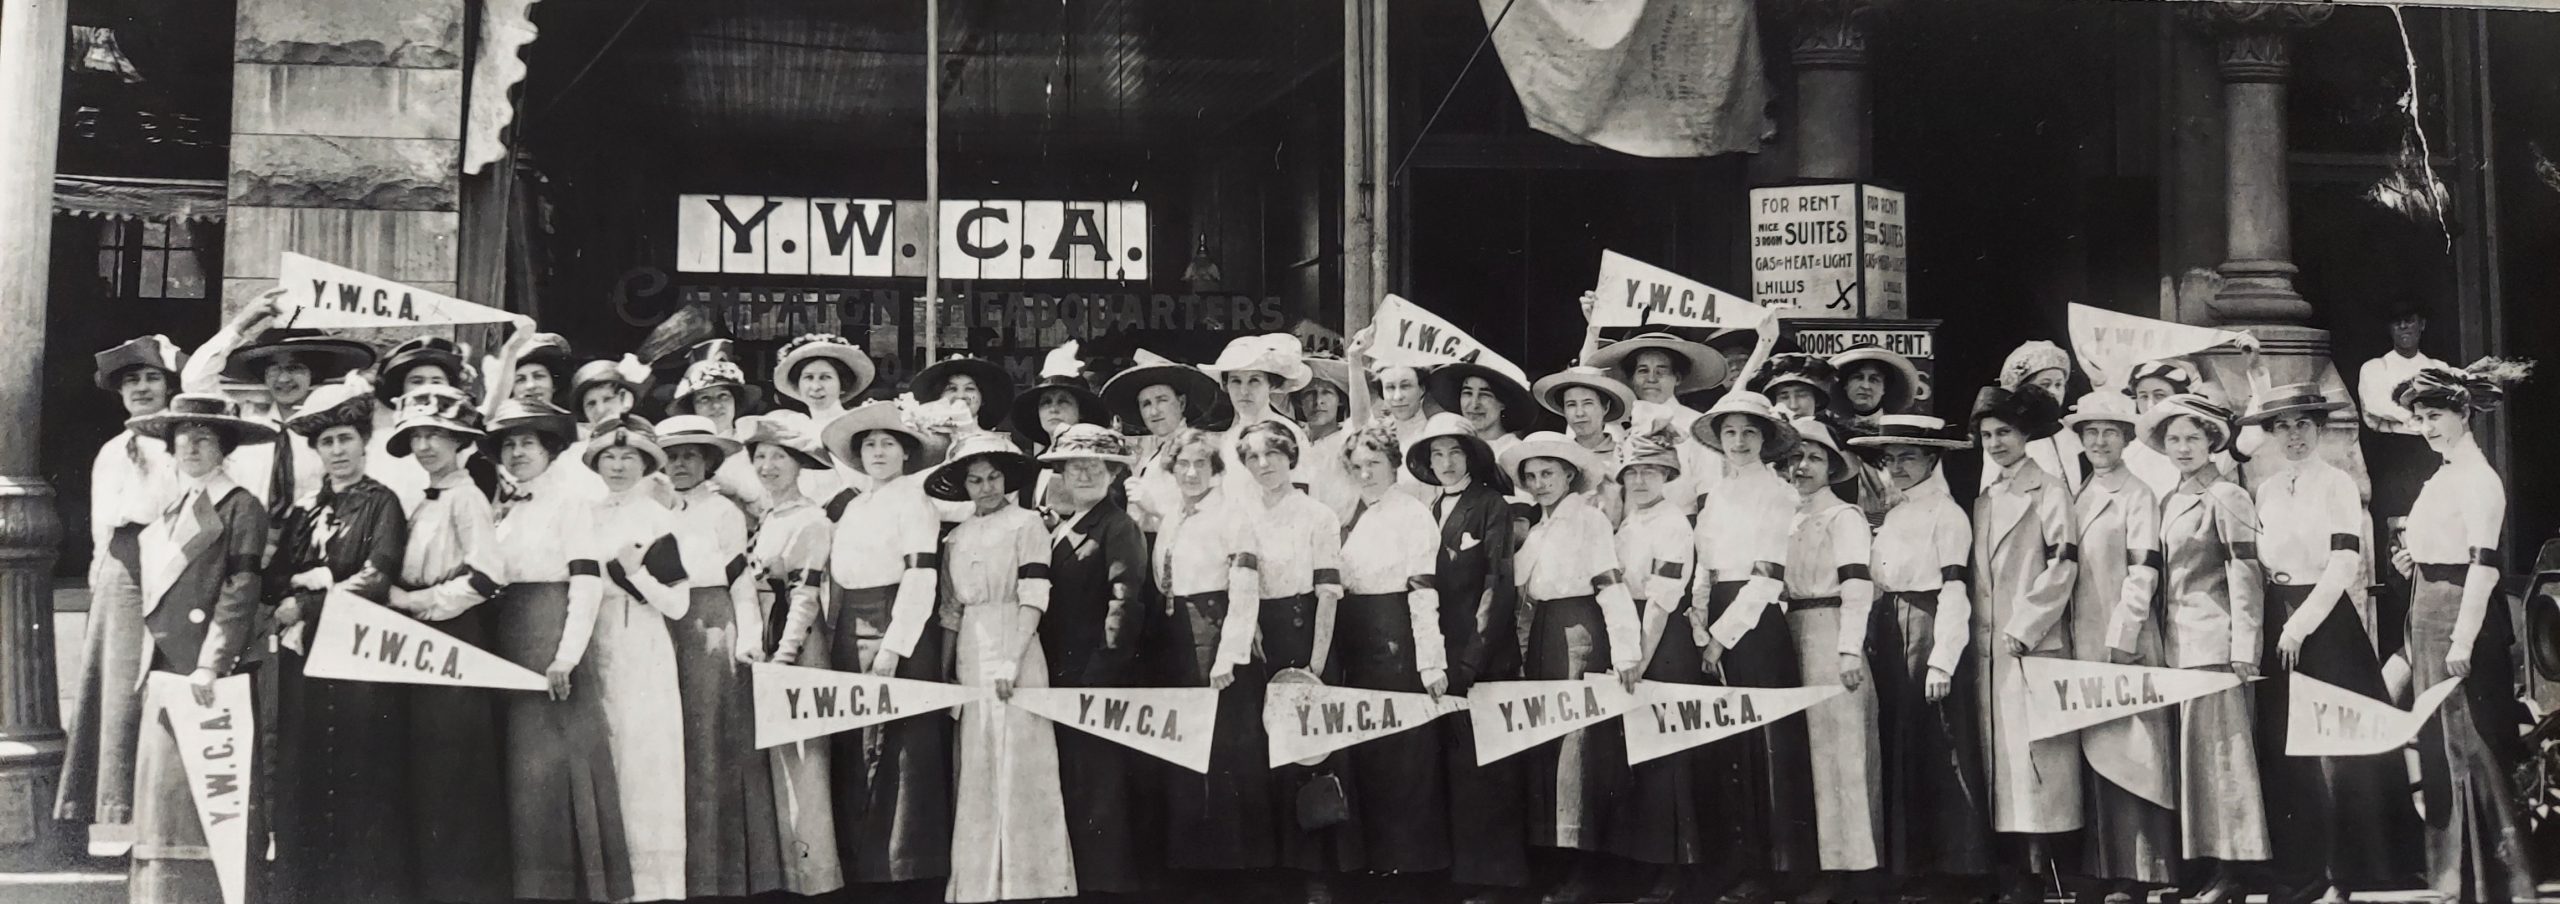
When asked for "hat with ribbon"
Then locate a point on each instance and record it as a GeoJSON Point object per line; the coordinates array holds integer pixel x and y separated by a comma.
{"type": "Point", "coordinates": [1777, 434]}
{"type": "Point", "coordinates": [344, 404]}
{"type": "Point", "coordinates": [995, 387]}
{"type": "Point", "coordinates": [842, 436]}
{"type": "Point", "coordinates": [949, 481]}
{"type": "Point", "coordinates": [537, 418]}
{"type": "Point", "coordinates": [2101, 408]}
{"type": "Point", "coordinates": [204, 409]}
{"type": "Point", "coordinates": [1088, 442]}
{"type": "Point", "coordinates": [788, 430]}
{"type": "Point", "coordinates": [2220, 425]}
{"type": "Point", "coordinates": [1060, 371]}
{"type": "Point", "coordinates": [1613, 392]}
{"type": "Point", "coordinates": [328, 357]}
{"type": "Point", "coordinates": [1901, 377]}
{"type": "Point", "coordinates": [2479, 387]}
{"type": "Point", "coordinates": [1925, 431]}
{"type": "Point", "coordinates": [858, 370]}
{"type": "Point", "coordinates": [1550, 444]}
{"type": "Point", "coordinates": [627, 373]}
{"type": "Point", "coordinates": [443, 408]}
{"type": "Point", "coordinates": [1277, 354]}
{"type": "Point", "coordinates": [2278, 401]}
{"type": "Point", "coordinates": [1199, 391]}
{"type": "Point", "coordinates": [714, 365]}
{"type": "Point", "coordinates": [421, 351]}
{"type": "Point", "coordinates": [1446, 384]}
{"type": "Point", "coordinates": [1482, 467]}
{"type": "Point", "coordinates": [1812, 431]}
{"type": "Point", "coordinates": [696, 430]}
{"type": "Point", "coordinates": [1702, 368]}
{"type": "Point", "coordinates": [1657, 447]}
{"type": "Point", "coordinates": [629, 431]}
{"type": "Point", "coordinates": [153, 351]}
{"type": "Point", "coordinates": [2177, 374]}
{"type": "Point", "coordinates": [2028, 408]}
{"type": "Point", "coordinates": [1797, 369]}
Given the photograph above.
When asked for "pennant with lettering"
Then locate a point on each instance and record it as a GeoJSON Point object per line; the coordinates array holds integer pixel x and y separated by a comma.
{"type": "Point", "coordinates": [1635, 293]}
{"type": "Point", "coordinates": [796, 702]}
{"type": "Point", "coordinates": [1668, 717]}
{"type": "Point", "coordinates": [360, 640]}
{"type": "Point", "coordinates": [1172, 724]}
{"type": "Point", "coordinates": [2066, 695]}
{"type": "Point", "coordinates": [1408, 335]}
{"type": "Point", "coordinates": [1307, 721]}
{"type": "Point", "coordinates": [2109, 344]}
{"type": "Point", "coordinates": [213, 747]}
{"type": "Point", "coordinates": [1512, 716]}
{"type": "Point", "coordinates": [2328, 720]}
{"type": "Point", "coordinates": [321, 294]}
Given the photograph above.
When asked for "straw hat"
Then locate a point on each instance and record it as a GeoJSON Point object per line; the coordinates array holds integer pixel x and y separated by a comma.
{"type": "Point", "coordinates": [1550, 444]}
{"type": "Point", "coordinates": [629, 432]}
{"type": "Point", "coordinates": [815, 346]}
{"type": "Point", "coordinates": [1482, 466]}
{"type": "Point", "coordinates": [696, 430]}
{"type": "Point", "coordinates": [2027, 408]}
{"type": "Point", "coordinates": [1705, 365]}
{"type": "Point", "coordinates": [1797, 369]}
{"type": "Point", "coordinates": [1199, 391]}
{"type": "Point", "coordinates": [1550, 390]}
{"type": "Point", "coordinates": [203, 409]}
{"type": "Point", "coordinates": [715, 366]}
{"type": "Point", "coordinates": [2219, 423]}
{"type": "Point", "coordinates": [2279, 401]}
{"type": "Point", "coordinates": [790, 431]}
{"type": "Point", "coordinates": [1777, 435]}
{"type": "Point", "coordinates": [1659, 448]}
{"type": "Point", "coordinates": [1277, 354]}
{"type": "Point", "coordinates": [842, 436]}
{"type": "Point", "coordinates": [1814, 432]}
{"type": "Point", "coordinates": [2101, 407]}
{"type": "Point", "coordinates": [1061, 371]}
{"type": "Point", "coordinates": [949, 481]}
{"type": "Point", "coordinates": [539, 418]}
{"type": "Point", "coordinates": [442, 407]}
{"type": "Point", "coordinates": [154, 351]}
{"type": "Point", "coordinates": [1902, 378]}
{"type": "Point", "coordinates": [1330, 370]}
{"type": "Point", "coordinates": [1088, 442]}
{"type": "Point", "coordinates": [2177, 374]}
{"type": "Point", "coordinates": [1444, 383]}
{"type": "Point", "coordinates": [1925, 431]}
{"type": "Point", "coordinates": [347, 404]}
{"type": "Point", "coordinates": [436, 351]}
{"type": "Point", "coordinates": [328, 357]}
{"type": "Point", "coordinates": [627, 373]}
{"type": "Point", "coordinates": [995, 387]}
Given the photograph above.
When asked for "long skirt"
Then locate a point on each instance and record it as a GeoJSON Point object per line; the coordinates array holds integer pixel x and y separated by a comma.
{"type": "Point", "coordinates": [732, 846]}
{"type": "Point", "coordinates": [1288, 639]}
{"type": "Point", "coordinates": [2476, 829]}
{"type": "Point", "coordinates": [1488, 807]}
{"type": "Point", "coordinates": [105, 724]}
{"type": "Point", "coordinates": [1937, 820]}
{"type": "Point", "coordinates": [1011, 839]}
{"type": "Point", "coordinates": [804, 812]}
{"type": "Point", "coordinates": [1576, 781]}
{"type": "Point", "coordinates": [172, 862]}
{"type": "Point", "coordinates": [2221, 807]}
{"type": "Point", "coordinates": [1664, 818]}
{"type": "Point", "coordinates": [564, 800]}
{"type": "Point", "coordinates": [2343, 821]}
{"type": "Point", "coordinates": [892, 780]}
{"type": "Point", "coordinates": [1225, 819]}
{"type": "Point", "coordinates": [2399, 464]}
{"type": "Point", "coordinates": [458, 779]}
{"type": "Point", "coordinates": [1764, 779]}
{"type": "Point", "coordinates": [636, 675]}
{"type": "Point", "coordinates": [1115, 816]}
{"type": "Point", "coordinates": [1848, 772]}
{"type": "Point", "coordinates": [1401, 809]}
{"type": "Point", "coordinates": [339, 810]}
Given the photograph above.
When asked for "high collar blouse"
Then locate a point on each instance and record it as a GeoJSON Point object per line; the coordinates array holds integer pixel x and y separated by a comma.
{"type": "Point", "coordinates": [2460, 513]}
{"type": "Point", "coordinates": [1657, 550]}
{"type": "Point", "coordinates": [544, 523]}
{"type": "Point", "coordinates": [451, 527]}
{"type": "Point", "coordinates": [1926, 546]}
{"type": "Point", "coordinates": [1000, 558]}
{"type": "Point", "coordinates": [711, 529]}
{"type": "Point", "coordinates": [1199, 542]}
{"type": "Point", "coordinates": [1828, 545]}
{"type": "Point", "coordinates": [1297, 541]}
{"type": "Point", "coordinates": [1393, 547]}
{"type": "Point", "coordinates": [130, 482]}
{"type": "Point", "coordinates": [882, 533]}
{"type": "Point", "coordinates": [1571, 553]}
{"type": "Point", "coordinates": [1743, 525]}
{"type": "Point", "coordinates": [2304, 514]}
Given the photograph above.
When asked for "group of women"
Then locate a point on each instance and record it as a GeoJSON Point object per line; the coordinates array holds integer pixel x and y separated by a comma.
{"type": "Point", "coordinates": [1275, 517]}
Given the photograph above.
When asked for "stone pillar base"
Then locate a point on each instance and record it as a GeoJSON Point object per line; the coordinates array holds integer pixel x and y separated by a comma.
{"type": "Point", "coordinates": [31, 741]}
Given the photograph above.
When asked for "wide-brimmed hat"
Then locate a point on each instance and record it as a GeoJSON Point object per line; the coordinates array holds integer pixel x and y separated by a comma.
{"type": "Point", "coordinates": [1706, 365]}
{"type": "Point", "coordinates": [1797, 369]}
{"type": "Point", "coordinates": [1812, 431]}
{"type": "Point", "coordinates": [790, 431]}
{"type": "Point", "coordinates": [2033, 411]}
{"type": "Point", "coordinates": [1923, 430]}
{"type": "Point", "coordinates": [1550, 390]}
{"type": "Point", "coordinates": [347, 404]}
{"type": "Point", "coordinates": [2101, 407]}
{"type": "Point", "coordinates": [1658, 447]}
{"type": "Point", "coordinates": [1331, 370]}
{"type": "Point", "coordinates": [1902, 378]}
{"type": "Point", "coordinates": [949, 480]}
{"type": "Point", "coordinates": [1199, 391]}
{"type": "Point", "coordinates": [2278, 401]}
{"type": "Point", "coordinates": [2221, 426]}
{"type": "Point", "coordinates": [1482, 466]}
{"type": "Point", "coordinates": [2181, 378]}
{"type": "Point", "coordinates": [995, 387]}
{"type": "Point", "coordinates": [828, 346]}
{"type": "Point", "coordinates": [203, 409]}
{"type": "Point", "coordinates": [444, 408]}
{"type": "Point", "coordinates": [155, 351]}
{"type": "Point", "coordinates": [1062, 371]}
{"type": "Point", "coordinates": [696, 430]}
{"type": "Point", "coordinates": [627, 373]}
{"type": "Point", "coordinates": [713, 364]}
{"type": "Point", "coordinates": [842, 435]}
{"type": "Point", "coordinates": [1277, 354]}
{"type": "Point", "coordinates": [1777, 435]}
{"type": "Point", "coordinates": [629, 431]}
{"type": "Point", "coordinates": [539, 418]}
{"type": "Point", "coordinates": [1550, 444]}
{"type": "Point", "coordinates": [1088, 442]}
{"type": "Point", "coordinates": [328, 357]}
{"type": "Point", "coordinates": [1443, 383]}
{"type": "Point", "coordinates": [423, 350]}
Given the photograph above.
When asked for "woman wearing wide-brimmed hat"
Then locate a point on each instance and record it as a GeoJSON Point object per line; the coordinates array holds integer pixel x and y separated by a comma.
{"type": "Point", "coordinates": [2026, 556]}
{"type": "Point", "coordinates": [1937, 831]}
{"type": "Point", "coordinates": [531, 367]}
{"type": "Point", "coordinates": [1830, 599]}
{"type": "Point", "coordinates": [789, 565]}
{"type": "Point", "coordinates": [1594, 406]}
{"type": "Point", "coordinates": [2045, 367]}
{"type": "Point", "coordinates": [1662, 821]}
{"type": "Point", "coordinates": [978, 384]}
{"type": "Point", "coordinates": [1061, 398]}
{"type": "Point", "coordinates": [200, 589]}
{"type": "Point", "coordinates": [715, 387]}
{"type": "Point", "coordinates": [647, 586]}
{"type": "Point", "coordinates": [2146, 385]}
{"type": "Point", "coordinates": [1256, 371]}
{"type": "Point", "coordinates": [824, 373]}
{"type": "Point", "coordinates": [892, 781]}
{"type": "Point", "coordinates": [1661, 367]}
{"type": "Point", "coordinates": [457, 790]}
{"type": "Point", "coordinates": [2476, 829]}
{"type": "Point", "coordinates": [1799, 384]}
{"type": "Point", "coordinates": [2131, 786]}
{"type": "Point", "coordinates": [1387, 637]}
{"type": "Point", "coordinates": [1160, 397]}
{"type": "Point", "coordinates": [2336, 824]}
{"type": "Point", "coordinates": [338, 813]}
{"type": "Point", "coordinates": [1495, 403]}
{"type": "Point", "coordinates": [1324, 408]}
{"type": "Point", "coordinates": [1874, 381]}
{"type": "Point", "coordinates": [1225, 819]}
{"type": "Point", "coordinates": [279, 366]}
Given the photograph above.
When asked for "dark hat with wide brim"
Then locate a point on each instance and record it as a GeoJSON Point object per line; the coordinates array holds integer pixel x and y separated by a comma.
{"type": "Point", "coordinates": [538, 418]}
{"type": "Point", "coordinates": [1519, 409]}
{"type": "Point", "coordinates": [1482, 465]}
{"type": "Point", "coordinates": [153, 351]}
{"type": "Point", "coordinates": [204, 409]}
{"type": "Point", "coordinates": [443, 408]}
{"type": "Point", "coordinates": [702, 375]}
{"type": "Point", "coordinates": [1090, 408]}
{"type": "Point", "coordinates": [334, 405]}
{"type": "Point", "coordinates": [424, 350]}
{"type": "Point", "coordinates": [1800, 369]}
{"type": "Point", "coordinates": [1200, 393]}
{"type": "Point", "coordinates": [328, 357]}
{"type": "Point", "coordinates": [2033, 411]}
{"type": "Point", "coordinates": [1902, 378]}
{"type": "Point", "coordinates": [949, 480]}
{"type": "Point", "coordinates": [995, 386]}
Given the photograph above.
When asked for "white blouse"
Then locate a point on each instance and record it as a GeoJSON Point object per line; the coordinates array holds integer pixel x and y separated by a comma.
{"type": "Point", "coordinates": [451, 530]}
{"type": "Point", "coordinates": [1209, 549]}
{"type": "Point", "coordinates": [1926, 546]}
{"type": "Point", "coordinates": [998, 563]}
{"type": "Point", "coordinates": [2461, 511]}
{"type": "Point", "coordinates": [1656, 549]}
{"type": "Point", "coordinates": [1572, 553]}
{"type": "Point", "coordinates": [1393, 546]}
{"type": "Point", "coordinates": [890, 537]}
{"type": "Point", "coordinates": [130, 482]}
{"type": "Point", "coordinates": [1827, 557]}
{"type": "Point", "coordinates": [1298, 542]}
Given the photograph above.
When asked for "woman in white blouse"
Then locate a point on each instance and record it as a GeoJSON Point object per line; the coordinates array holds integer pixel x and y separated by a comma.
{"type": "Point", "coordinates": [1663, 820]}
{"type": "Point", "coordinates": [2458, 630]}
{"type": "Point", "coordinates": [1830, 597]}
{"type": "Point", "coordinates": [1297, 543]}
{"type": "Point", "coordinates": [1388, 639]}
{"type": "Point", "coordinates": [1207, 562]}
{"type": "Point", "coordinates": [790, 557]}
{"type": "Point", "coordinates": [646, 586]}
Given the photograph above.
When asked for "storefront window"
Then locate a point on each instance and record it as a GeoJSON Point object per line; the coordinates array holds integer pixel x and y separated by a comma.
{"type": "Point", "coordinates": [140, 259]}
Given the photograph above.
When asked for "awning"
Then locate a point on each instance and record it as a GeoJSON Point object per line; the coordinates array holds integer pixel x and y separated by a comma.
{"type": "Point", "coordinates": [112, 198]}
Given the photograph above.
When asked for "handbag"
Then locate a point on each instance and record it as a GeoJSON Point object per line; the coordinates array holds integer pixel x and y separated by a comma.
{"type": "Point", "coordinates": [1321, 803]}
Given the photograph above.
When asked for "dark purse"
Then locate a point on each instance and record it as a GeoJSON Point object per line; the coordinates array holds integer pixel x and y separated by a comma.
{"type": "Point", "coordinates": [1322, 804]}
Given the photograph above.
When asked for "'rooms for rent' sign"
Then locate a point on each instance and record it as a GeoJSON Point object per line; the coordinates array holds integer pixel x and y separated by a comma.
{"type": "Point", "coordinates": [1027, 240]}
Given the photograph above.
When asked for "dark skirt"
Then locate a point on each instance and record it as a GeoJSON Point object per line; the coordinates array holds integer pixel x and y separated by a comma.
{"type": "Point", "coordinates": [732, 839]}
{"type": "Point", "coordinates": [1113, 795]}
{"type": "Point", "coordinates": [339, 807]}
{"type": "Point", "coordinates": [2343, 820]}
{"type": "Point", "coordinates": [1288, 639]}
{"type": "Point", "coordinates": [1936, 815]}
{"type": "Point", "coordinates": [458, 779]}
{"type": "Point", "coordinates": [1401, 805]}
{"type": "Point", "coordinates": [892, 780]}
{"type": "Point", "coordinates": [1575, 781]}
{"type": "Point", "coordinates": [1664, 818]}
{"type": "Point", "coordinates": [2476, 830]}
{"type": "Point", "coordinates": [564, 805]}
{"type": "Point", "coordinates": [105, 724]}
{"type": "Point", "coordinates": [1223, 820]}
{"type": "Point", "coordinates": [1763, 782]}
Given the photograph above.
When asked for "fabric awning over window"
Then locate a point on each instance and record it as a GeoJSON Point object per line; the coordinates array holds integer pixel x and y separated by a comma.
{"type": "Point", "coordinates": [165, 200]}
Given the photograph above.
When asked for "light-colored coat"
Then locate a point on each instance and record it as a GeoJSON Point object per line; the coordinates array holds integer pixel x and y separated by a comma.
{"type": "Point", "coordinates": [2024, 563]}
{"type": "Point", "coordinates": [2111, 612]}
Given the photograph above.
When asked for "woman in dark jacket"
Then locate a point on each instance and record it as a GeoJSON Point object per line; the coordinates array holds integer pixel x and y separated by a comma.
{"type": "Point", "coordinates": [1096, 618]}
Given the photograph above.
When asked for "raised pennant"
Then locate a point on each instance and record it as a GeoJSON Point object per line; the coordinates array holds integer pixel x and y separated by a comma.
{"type": "Point", "coordinates": [2327, 720]}
{"type": "Point", "coordinates": [1408, 335]}
{"type": "Point", "coordinates": [1635, 293]}
{"type": "Point", "coordinates": [2109, 343]}
{"type": "Point", "coordinates": [1169, 723]}
{"type": "Point", "coordinates": [1512, 716]}
{"type": "Point", "coordinates": [1667, 717]}
{"type": "Point", "coordinates": [1307, 721]}
{"type": "Point", "coordinates": [2066, 695]}
{"type": "Point", "coordinates": [360, 640]}
{"type": "Point", "coordinates": [796, 702]}
{"type": "Point", "coordinates": [321, 294]}
{"type": "Point", "coordinates": [214, 748]}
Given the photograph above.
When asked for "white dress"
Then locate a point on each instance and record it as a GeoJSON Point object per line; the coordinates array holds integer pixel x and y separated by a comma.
{"type": "Point", "coordinates": [1010, 832]}
{"type": "Point", "coordinates": [635, 662]}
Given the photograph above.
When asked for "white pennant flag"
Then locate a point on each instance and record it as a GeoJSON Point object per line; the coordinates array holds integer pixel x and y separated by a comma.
{"type": "Point", "coordinates": [321, 294]}
{"type": "Point", "coordinates": [1408, 335]}
{"type": "Point", "coordinates": [2109, 344]}
{"type": "Point", "coordinates": [1635, 293]}
{"type": "Point", "coordinates": [796, 702]}
{"type": "Point", "coordinates": [2328, 720]}
{"type": "Point", "coordinates": [2065, 695]}
{"type": "Point", "coordinates": [1512, 716]}
{"type": "Point", "coordinates": [213, 747]}
{"type": "Point", "coordinates": [1173, 724]}
{"type": "Point", "coordinates": [1307, 720]}
{"type": "Point", "coordinates": [359, 640]}
{"type": "Point", "coordinates": [1668, 717]}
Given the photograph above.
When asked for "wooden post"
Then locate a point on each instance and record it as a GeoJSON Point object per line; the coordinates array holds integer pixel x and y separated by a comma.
{"type": "Point", "coordinates": [932, 184]}
{"type": "Point", "coordinates": [1364, 159]}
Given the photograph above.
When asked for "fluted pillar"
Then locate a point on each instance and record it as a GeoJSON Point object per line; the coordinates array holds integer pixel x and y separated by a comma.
{"type": "Point", "coordinates": [1828, 40]}
{"type": "Point", "coordinates": [2255, 59]}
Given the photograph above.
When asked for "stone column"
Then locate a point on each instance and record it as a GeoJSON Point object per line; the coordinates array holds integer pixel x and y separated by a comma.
{"type": "Point", "coordinates": [31, 47]}
{"type": "Point", "coordinates": [2256, 57]}
{"type": "Point", "coordinates": [1832, 102]}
